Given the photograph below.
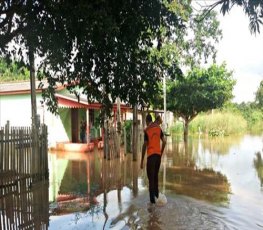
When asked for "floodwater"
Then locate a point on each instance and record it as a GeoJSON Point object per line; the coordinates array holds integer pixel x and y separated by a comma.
{"type": "Point", "coordinates": [214, 183]}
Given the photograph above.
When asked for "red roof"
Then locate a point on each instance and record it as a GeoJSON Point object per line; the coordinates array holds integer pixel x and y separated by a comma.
{"type": "Point", "coordinates": [73, 102]}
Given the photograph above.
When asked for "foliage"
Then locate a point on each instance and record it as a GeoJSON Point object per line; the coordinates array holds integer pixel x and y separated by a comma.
{"type": "Point", "coordinates": [259, 96]}
{"type": "Point", "coordinates": [252, 8]}
{"type": "Point", "coordinates": [128, 130]}
{"type": "Point", "coordinates": [191, 48]}
{"type": "Point", "coordinates": [177, 128]}
{"type": "Point", "coordinates": [23, 25]}
{"type": "Point", "coordinates": [101, 46]}
{"type": "Point", "coordinates": [231, 119]}
{"type": "Point", "coordinates": [252, 114]}
{"type": "Point", "coordinates": [13, 71]}
{"type": "Point", "coordinates": [201, 90]}
{"type": "Point", "coordinates": [219, 123]}
{"type": "Point", "coordinates": [198, 44]}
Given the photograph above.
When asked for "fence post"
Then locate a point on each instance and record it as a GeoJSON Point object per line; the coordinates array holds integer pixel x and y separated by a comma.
{"type": "Point", "coordinates": [6, 153]}
{"type": "Point", "coordinates": [1, 148]}
{"type": "Point", "coordinates": [125, 139]}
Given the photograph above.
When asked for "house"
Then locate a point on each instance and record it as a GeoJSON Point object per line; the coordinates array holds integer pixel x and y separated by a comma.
{"type": "Point", "coordinates": [64, 129]}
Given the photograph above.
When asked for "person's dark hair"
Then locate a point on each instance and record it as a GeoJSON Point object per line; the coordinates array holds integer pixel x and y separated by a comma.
{"type": "Point", "coordinates": [149, 118]}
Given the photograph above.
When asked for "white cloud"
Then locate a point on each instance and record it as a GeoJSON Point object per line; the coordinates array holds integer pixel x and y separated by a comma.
{"type": "Point", "coordinates": [243, 53]}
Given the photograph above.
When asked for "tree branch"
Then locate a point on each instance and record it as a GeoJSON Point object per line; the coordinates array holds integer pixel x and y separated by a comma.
{"type": "Point", "coordinates": [209, 9]}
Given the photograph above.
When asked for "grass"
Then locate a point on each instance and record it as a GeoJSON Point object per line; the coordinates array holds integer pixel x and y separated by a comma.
{"type": "Point", "coordinates": [214, 124]}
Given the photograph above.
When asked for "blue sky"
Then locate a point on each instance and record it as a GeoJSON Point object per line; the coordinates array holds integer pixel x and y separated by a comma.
{"type": "Point", "coordinates": [243, 53]}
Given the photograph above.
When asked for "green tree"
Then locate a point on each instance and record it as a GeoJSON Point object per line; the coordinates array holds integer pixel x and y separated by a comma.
{"type": "Point", "coordinates": [23, 27]}
{"type": "Point", "coordinates": [99, 48]}
{"type": "Point", "coordinates": [199, 91]}
{"type": "Point", "coordinates": [105, 51]}
{"type": "Point", "coordinates": [259, 96]}
{"type": "Point", "coordinates": [198, 44]}
{"type": "Point", "coordinates": [191, 48]}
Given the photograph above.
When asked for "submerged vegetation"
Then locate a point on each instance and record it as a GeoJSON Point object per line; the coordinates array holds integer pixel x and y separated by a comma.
{"type": "Point", "coordinates": [224, 122]}
{"type": "Point", "coordinates": [219, 124]}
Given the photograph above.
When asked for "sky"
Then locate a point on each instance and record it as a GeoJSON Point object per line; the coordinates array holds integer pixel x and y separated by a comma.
{"type": "Point", "coordinates": [242, 52]}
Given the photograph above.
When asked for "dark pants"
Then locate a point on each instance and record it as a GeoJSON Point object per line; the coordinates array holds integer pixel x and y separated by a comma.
{"type": "Point", "coordinates": [153, 166]}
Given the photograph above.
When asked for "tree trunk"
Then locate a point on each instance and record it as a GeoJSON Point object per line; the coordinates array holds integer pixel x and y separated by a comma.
{"type": "Point", "coordinates": [118, 126]}
{"type": "Point", "coordinates": [143, 119]}
{"type": "Point", "coordinates": [33, 87]}
{"type": "Point", "coordinates": [186, 126]}
{"type": "Point", "coordinates": [135, 133]}
{"type": "Point", "coordinates": [106, 139]}
{"type": "Point", "coordinates": [35, 124]}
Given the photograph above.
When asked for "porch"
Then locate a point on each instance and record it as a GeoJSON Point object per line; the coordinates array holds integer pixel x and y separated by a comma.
{"type": "Point", "coordinates": [80, 122]}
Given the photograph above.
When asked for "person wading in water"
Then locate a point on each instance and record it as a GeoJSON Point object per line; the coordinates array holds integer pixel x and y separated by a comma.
{"type": "Point", "coordinates": [153, 135]}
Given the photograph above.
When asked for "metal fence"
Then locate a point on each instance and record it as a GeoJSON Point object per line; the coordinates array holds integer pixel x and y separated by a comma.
{"type": "Point", "coordinates": [23, 178]}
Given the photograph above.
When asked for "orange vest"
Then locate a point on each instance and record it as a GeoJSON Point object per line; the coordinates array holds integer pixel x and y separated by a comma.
{"type": "Point", "coordinates": [153, 132]}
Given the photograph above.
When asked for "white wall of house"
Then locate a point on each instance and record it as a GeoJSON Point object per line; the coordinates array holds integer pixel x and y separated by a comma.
{"type": "Point", "coordinates": [17, 110]}
{"type": "Point", "coordinates": [56, 130]}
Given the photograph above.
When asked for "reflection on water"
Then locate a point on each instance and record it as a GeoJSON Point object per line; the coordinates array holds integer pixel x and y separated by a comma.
{"type": "Point", "coordinates": [81, 177]}
{"type": "Point", "coordinates": [258, 163]}
{"type": "Point", "coordinates": [185, 177]}
{"type": "Point", "coordinates": [209, 184]}
{"type": "Point", "coordinates": [23, 202]}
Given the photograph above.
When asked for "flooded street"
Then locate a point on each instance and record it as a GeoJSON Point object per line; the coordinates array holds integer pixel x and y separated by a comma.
{"type": "Point", "coordinates": [209, 184]}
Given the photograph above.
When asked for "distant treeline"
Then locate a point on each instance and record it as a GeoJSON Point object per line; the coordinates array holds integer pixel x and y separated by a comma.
{"type": "Point", "coordinates": [13, 71]}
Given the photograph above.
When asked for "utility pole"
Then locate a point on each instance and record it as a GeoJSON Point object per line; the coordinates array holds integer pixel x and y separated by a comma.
{"type": "Point", "coordinates": [164, 103]}
{"type": "Point", "coordinates": [164, 130]}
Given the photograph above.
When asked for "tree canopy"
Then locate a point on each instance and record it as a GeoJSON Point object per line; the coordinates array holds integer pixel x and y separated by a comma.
{"type": "Point", "coordinates": [102, 47]}
{"type": "Point", "coordinates": [199, 91]}
{"type": "Point", "coordinates": [192, 48]}
{"type": "Point", "coordinates": [108, 49]}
